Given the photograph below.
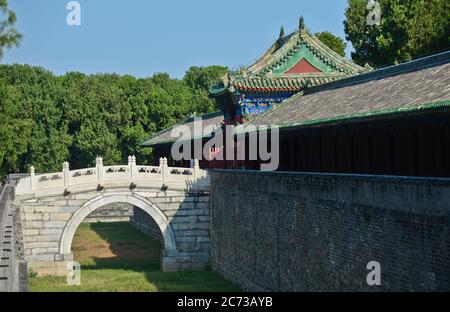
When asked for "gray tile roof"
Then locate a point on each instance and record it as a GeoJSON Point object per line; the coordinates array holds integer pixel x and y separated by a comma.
{"type": "Point", "coordinates": [411, 86]}
{"type": "Point", "coordinates": [214, 119]}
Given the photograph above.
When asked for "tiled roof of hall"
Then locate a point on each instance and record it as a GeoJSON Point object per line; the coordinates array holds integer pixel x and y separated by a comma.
{"type": "Point", "coordinates": [211, 121]}
{"type": "Point", "coordinates": [273, 70]}
{"type": "Point", "coordinates": [418, 86]}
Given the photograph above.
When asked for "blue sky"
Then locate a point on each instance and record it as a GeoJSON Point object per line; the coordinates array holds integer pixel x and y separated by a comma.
{"type": "Point", "coordinates": [141, 37]}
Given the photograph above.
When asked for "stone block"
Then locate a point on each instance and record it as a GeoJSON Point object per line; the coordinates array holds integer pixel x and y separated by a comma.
{"type": "Point", "coordinates": [31, 245]}
{"type": "Point", "coordinates": [60, 216]}
{"type": "Point", "coordinates": [32, 216]}
{"type": "Point", "coordinates": [68, 209]}
{"type": "Point", "coordinates": [42, 238]}
{"type": "Point", "coordinates": [203, 239]}
{"type": "Point", "coordinates": [33, 224]}
{"type": "Point", "coordinates": [183, 219]}
{"type": "Point", "coordinates": [202, 225]}
{"type": "Point", "coordinates": [187, 205]}
{"type": "Point", "coordinates": [38, 258]}
{"type": "Point", "coordinates": [44, 209]}
{"type": "Point", "coordinates": [203, 218]}
{"type": "Point", "coordinates": [44, 250]}
{"type": "Point", "coordinates": [30, 231]}
{"type": "Point", "coordinates": [50, 231]}
{"type": "Point", "coordinates": [188, 239]}
{"type": "Point", "coordinates": [204, 206]}
{"type": "Point", "coordinates": [184, 226]}
{"type": "Point", "coordinates": [54, 224]}
{"type": "Point", "coordinates": [203, 199]}
{"type": "Point", "coordinates": [191, 232]}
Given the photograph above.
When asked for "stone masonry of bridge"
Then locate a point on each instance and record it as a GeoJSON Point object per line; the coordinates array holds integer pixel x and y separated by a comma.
{"type": "Point", "coordinates": [52, 206]}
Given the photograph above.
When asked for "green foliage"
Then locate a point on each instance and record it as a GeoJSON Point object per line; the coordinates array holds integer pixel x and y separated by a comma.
{"type": "Point", "coordinates": [200, 78]}
{"type": "Point", "coordinates": [48, 119]}
{"type": "Point", "coordinates": [335, 43]}
{"type": "Point", "coordinates": [8, 35]}
{"type": "Point", "coordinates": [408, 29]}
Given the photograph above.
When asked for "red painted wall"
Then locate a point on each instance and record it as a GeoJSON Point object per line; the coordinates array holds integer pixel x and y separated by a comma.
{"type": "Point", "coordinates": [303, 67]}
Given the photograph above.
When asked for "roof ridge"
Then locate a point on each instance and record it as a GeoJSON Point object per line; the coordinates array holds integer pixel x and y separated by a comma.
{"type": "Point", "coordinates": [394, 70]}
{"type": "Point", "coordinates": [279, 56]}
{"type": "Point", "coordinates": [326, 49]}
{"type": "Point", "coordinates": [357, 116]}
{"type": "Point", "coordinates": [171, 127]}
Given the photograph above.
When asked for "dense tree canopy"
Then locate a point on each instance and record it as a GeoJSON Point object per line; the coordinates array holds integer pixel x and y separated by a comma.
{"type": "Point", "coordinates": [335, 43]}
{"type": "Point", "coordinates": [408, 29]}
{"type": "Point", "coordinates": [8, 35]}
{"type": "Point", "coordinates": [47, 119]}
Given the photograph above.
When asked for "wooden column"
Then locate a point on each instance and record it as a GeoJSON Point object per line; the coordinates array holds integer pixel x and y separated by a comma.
{"type": "Point", "coordinates": [335, 151]}
{"type": "Point", "coordinates": [413, 148]}
{"type": "Point", "coordinates": [438, 129]}
{"type": "Point", "coordinates": [370, 150]}
{"type": "Point", "coordinates": [292, 150]}
{"type": "Point", "coordinates": [389, 151]}
{"type": "Point", "coordinates": [351, 146]}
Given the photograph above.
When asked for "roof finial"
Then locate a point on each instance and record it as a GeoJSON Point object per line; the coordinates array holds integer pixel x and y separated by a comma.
{"type": "Point", "coordinates": [301, 23]}
{"type": "Point", "coordinates": [281, 32]}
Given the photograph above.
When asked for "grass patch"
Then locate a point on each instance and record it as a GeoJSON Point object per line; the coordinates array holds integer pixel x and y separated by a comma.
{"type": "Point", "coordinates": [117, 257]}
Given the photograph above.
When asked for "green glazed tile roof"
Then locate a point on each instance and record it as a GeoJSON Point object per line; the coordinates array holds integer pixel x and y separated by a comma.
{"type": "Point", "coordinates": [165, 136]}
{"type": "Point", "coordinates": [411, 87]}
{"type": "Point", "coordinates": [269, 72]}
{"type": "Point", "coordinates": [294, 83]}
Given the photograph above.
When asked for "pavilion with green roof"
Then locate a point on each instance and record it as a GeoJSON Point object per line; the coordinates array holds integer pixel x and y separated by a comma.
{"type": "Point", "coordinates": [293, 63]}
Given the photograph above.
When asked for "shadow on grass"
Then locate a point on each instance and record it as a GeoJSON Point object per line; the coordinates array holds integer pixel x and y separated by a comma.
{"type": "Point", "coordinates": [131, 250]}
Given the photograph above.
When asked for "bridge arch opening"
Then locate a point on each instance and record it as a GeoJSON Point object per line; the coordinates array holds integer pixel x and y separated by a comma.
{"type": "Point", "coordinates": [168, 238]}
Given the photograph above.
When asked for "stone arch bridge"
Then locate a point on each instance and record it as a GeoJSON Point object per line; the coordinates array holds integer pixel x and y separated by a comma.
{"type": "Point", "coordinates": [53, 205]}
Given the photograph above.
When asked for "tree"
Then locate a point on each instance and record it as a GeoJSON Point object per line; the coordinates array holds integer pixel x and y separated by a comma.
{"type": "Point", "coordinates": [47, 119]}
{"type": "Point", "coordinates": [200, 78]}
{"type": "Point", "coordinates": [8, 35]}
{"type": "Point", "coordinates": [408, 29]}
{"type": "Point", "coordinates": [335, 43]}
{"type": "Point", "coordinates": [15, 129]}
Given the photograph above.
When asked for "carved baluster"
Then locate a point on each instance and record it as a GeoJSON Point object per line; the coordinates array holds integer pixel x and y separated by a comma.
{"type": "Point", "coordinates": [32, 178]}
{"type": "Point", "coordinates": [164, 169]}
{"type": "Point", "coordinates": [66, 173]}
{"type": "Point", "coordinates": [99, 168]}
{"type": "Point", "coordinates": [133, 168]}
{"type": "Point", "coordinates": [196, 170]}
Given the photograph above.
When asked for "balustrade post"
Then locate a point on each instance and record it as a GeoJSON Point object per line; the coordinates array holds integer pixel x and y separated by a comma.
{"type": "Point", "coordinates": [66, 173]}
{"type": "Point", "coordinates": [99, 169]}
{"type": "Point", "coordinates": [32, 178]}
{"type": "Point", "coordinates": [129, 167]}
{"type": "Point", "coordinates": [133, 168]}
{"type": "Point", "coordinates": [196, 167]}
{"type": "Point", "coordinates": [164, 169]}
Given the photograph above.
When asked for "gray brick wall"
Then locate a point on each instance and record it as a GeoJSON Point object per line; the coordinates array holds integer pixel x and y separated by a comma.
{"type": "Point", "coordinates": [317, 232]}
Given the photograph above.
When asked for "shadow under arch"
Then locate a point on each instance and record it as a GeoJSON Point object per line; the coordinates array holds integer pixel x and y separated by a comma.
{"type": "Point", "coordinates": [136, 200]}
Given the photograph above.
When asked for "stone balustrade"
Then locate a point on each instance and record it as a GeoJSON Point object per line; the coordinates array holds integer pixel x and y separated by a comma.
{"type": "Point", "coordinates": [100, 175]}
{"type": "Point", "coordinates": [13, 267]}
